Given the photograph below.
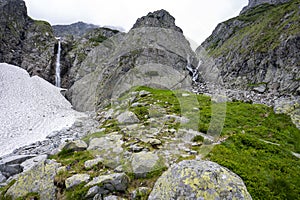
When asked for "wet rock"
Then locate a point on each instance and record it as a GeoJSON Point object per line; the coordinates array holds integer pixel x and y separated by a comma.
{"type": "Point", "coordinates": [199, 180]}
{"type": "Point", "coordinates": [76, 180]}
{"type": "Point", "coordinates": [112, 182]}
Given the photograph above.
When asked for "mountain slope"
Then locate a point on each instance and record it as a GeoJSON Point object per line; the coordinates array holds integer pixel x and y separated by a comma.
{"type": "Point", "coordinates": [260, 47]}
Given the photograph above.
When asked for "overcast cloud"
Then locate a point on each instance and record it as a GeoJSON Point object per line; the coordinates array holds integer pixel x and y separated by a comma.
{"type": "Point", "coordinates": [197, 18]}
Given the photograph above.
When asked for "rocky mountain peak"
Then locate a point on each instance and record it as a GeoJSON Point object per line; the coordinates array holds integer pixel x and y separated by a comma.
{"type": "Point", "coordinates": [160, 18]}
{"type": "Point", "coordinates": [253, 3]}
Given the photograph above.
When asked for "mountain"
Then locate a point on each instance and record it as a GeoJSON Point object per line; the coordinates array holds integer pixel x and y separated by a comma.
{"type": "Point", "coordinates": [77, 29]}
{"type": "Point", "coordinates": [260, 47]}
{"type": "Point", "coordinates": [25, 42]}
{"type": "Point", "coordinates": [154, 53]}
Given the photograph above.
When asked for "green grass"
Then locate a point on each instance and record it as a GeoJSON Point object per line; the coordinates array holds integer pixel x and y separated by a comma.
{"type": "Point", "coordinates": [269, 171]}
{"type": "Point", "coordinates": [263, 28]}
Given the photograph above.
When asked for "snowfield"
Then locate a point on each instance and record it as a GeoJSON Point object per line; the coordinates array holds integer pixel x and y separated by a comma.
{"type": "Point", "coordinates": [30, 109]}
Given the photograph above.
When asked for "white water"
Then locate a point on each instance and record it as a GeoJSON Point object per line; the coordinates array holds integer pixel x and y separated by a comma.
{"type": "Point", "coordinates": [57, 66]}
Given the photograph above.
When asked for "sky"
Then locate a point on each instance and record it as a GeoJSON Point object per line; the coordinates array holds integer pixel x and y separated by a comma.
{"type": "Point", "coordinates": [197, 18]}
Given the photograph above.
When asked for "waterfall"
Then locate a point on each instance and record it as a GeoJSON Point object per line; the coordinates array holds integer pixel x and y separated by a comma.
{"type": "Point", "coordinates": [57, 66]}
{"type": "Point", "coordinates": [193, 72]}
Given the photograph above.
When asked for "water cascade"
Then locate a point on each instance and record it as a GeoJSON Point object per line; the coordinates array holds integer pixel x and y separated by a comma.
{"type": "Point", "coordinates": [57, 66]}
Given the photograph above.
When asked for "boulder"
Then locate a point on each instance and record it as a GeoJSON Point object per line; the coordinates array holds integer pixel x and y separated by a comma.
{"type": "Point", "coordinates": [37, 180]}
{"type": "Point", "coordinates": [145, 162]}
{"type": "Point", "coordinates": [140, 193]}
{"type": "Point", "coordinates": [113, 197]}
{"type": "Point", "coordinates": [76, 180]}
{"type": "Point", "coordinates": [127, 117]}
{"type": "Point", "coordinates": [77, 145]}
{"type": "Point", "coordinates": [112, 182]}
{"type": "Point", "coordinates": [28, 164]}
{"type": "Point", "coordinates": [16, 159]}
{"type": "Point", "coordinates": [93, 191]}
{"type": "Point", "coordinates": [193, 179]}
{"type": "Point", "coordinates": [91, 163]}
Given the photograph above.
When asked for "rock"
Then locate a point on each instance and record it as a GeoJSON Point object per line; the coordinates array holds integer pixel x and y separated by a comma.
{"type": "Point", "coordinates": [2, 178]}
{"type": "Point", "coordinates": [154, 142]}
{"type": "Point", "coordinates": [30, 163]}
{"type": "Point", "coordinates": [159, 19]}
{"type": "Point", "coordinates": [199, 180]}
{"type": "Point", "coordinates": [92, 192]}
{"type": "Point", "coordinates": [145, 162]}
{"type": "Point", "coordinates": [91, 163]}
{"type": "Point", "coordinates": [135, 148]}
{"type": "Point", "coordinates": [144, 93]}
{"type": "Point", "coordinates": [112, 182]}
{"type": "Point", "coordinates": [77, 145]}
{"type": "Point", "coordinates": [39, 180]}
{"type": "Point", "coordinates": [77, 29]}
{"type": "Point", "coordinates": [98, 197]}
{"type": "Point", "coordinates": [127, 117]}
{"type": "Point", "coordinates": [254, 3]}
{"type": "Point", "coordinates": [10, 170]}
{"type": "Point", "coordinates": [260, 88]}
{"type": "Point", "coordinates": [113, 197]}
{"type": "Point", "coordinates": [15, 159]}
{"type": "Point", "coordinates": [140, 192]}
{"type": "Point", "coordinates": [76, 180]}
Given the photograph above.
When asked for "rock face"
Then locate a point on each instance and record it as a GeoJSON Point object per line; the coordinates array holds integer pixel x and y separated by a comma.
{"type": "Point", "coordinates": [160, 19]}
{"type": "Point", "coordinates": [199, 180]}
{"type": "Point", "coordinates": [258, 51]}
{"type": "Point", "coordinates": [77, 29]}
{"type": "Point", "coordinates": [155, 54]}
{"type": "Point", "coordinates": [26, 42]}
{"type": "Point", "coordinates": [253, 3]}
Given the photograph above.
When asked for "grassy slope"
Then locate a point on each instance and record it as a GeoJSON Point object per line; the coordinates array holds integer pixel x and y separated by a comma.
{"type": "Point", "coordinates": [270, 171]}
{"type": "Point", "coordinates": [267, 25]}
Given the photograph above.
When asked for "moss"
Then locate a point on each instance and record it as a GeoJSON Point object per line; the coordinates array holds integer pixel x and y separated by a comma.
{"type": "Point", "coordinates": [76, 193]}
{"type": "Point", "coordinates": [30, 196]}
{"type": "Point", "coordinates": [198, 138]}
{"type": "Point", "coordinates": [88, 137]}
{"type": "Point", "coordinates": [141, 112]}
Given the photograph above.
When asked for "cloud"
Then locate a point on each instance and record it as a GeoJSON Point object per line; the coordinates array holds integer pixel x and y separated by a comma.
{"type": "Point", "coordinates": [197, 18]}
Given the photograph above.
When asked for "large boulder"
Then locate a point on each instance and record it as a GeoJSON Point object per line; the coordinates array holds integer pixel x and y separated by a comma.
{"type": "Point", "coordinates": [199, 180]}
{"type": "Point", "coordinates": [37, 180]}
{"type": "Point", "coordinates": [127, 117]}
{"type": "Point", "coordinates": [76, 180]}
{"type": "Point", "coordinates": [117, 182]}
{"type": "Point", "coordinates": [144, 163]}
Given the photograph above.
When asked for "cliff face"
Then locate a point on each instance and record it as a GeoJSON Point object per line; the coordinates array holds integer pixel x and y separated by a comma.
{"type": "Point", "coordinates": [77, 29]}
{"type": "Point", "coordinates": [25, 42]}
{"type": "Point", "coordinates": [254, 3]}
{"type": "Point", "coordinates": [154, 52]}
{"type": "Point", "coordinates": [259, 50]}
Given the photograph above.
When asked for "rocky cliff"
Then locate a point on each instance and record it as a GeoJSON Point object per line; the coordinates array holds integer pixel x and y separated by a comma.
{"type": "Point", "coordinates": [254, 3]}
{"type": "Point", "coordinates": [258, 51]}
{"type": "Point", "coordinates": [25, 42]}
{"type": "Point", "coordinates": [77, 29]}
{"type": "Point", "coordinates": [153, 52]}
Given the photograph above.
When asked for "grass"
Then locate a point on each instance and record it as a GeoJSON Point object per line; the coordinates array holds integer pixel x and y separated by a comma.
{"type": "Point", "coordinates": [264, 27]}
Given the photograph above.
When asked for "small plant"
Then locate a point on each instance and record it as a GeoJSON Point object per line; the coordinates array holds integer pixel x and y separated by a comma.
{"type": "Point", "coordinates": [198, 138]}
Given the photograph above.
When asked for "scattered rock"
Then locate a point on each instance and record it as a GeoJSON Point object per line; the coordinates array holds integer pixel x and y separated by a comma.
{"type": "Point", "coordinates": [28, 164]}
{"type": "Point", "coordinates": [260, 88]}
{"type": "Point", "coordinates": [127, 117]}
{"type": "Point", "coordinates": [193, 179]}
{"type": "Point", "coordinates": [76, 180]}
{"type": "Point", "coordinates": [77, 145]}
{"type": "Point", "coordinates": [144, 93]}
{"type": "Point", "coordinates": [112, 182]}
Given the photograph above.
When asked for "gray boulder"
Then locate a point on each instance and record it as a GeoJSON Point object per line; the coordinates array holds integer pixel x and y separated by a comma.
{"type": "Point", "coordinates": [112, 182]}
{"type": "Point", "coordinates": [10, 170]}
{"type": "Point", "coordinates": [93, 191]}
{"type": "Point", "coordinates": [2, 178]}
{"type": "Point", "coordinates": [77, 145]}
{"type": "Point", "coordinates": [76, 180]}
{"type": "Point", "coordinates": [91, 163]}
{"type": "Point", "coordinates": [143, 163]}
{"type": "Point", "coordinates": [199, 180]}
{"type": "Point", "coordinates": [127, 117]}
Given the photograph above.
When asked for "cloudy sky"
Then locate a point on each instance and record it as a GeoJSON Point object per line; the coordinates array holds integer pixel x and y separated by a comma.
{"type": "Point", "coordinates": [197, 18]}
